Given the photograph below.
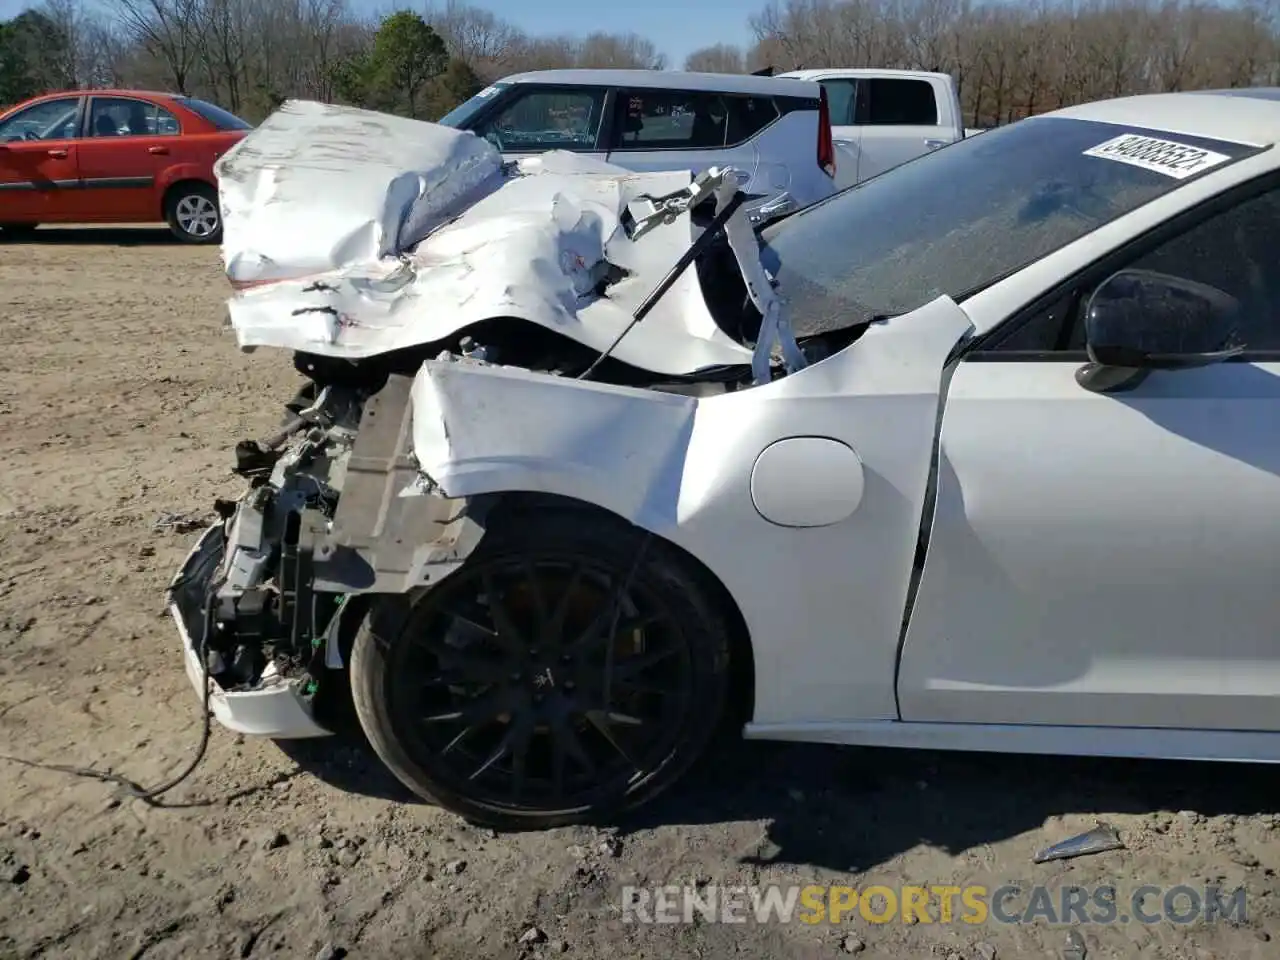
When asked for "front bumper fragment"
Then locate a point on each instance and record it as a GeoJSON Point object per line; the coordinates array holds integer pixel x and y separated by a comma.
{"type": "Point", "coordinates": [277, 707]}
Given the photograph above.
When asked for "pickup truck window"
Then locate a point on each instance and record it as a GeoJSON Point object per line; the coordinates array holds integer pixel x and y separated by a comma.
{"type": "Point", "coordinates": [841, 99]}
{"type": "Point", "coordinates": [1028, 190]}
{"type": "Point", "coordinates": [896, 101]}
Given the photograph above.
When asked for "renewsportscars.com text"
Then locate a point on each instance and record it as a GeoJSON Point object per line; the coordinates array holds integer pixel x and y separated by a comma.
{"type": "Point", "coordinates": [942, 904]}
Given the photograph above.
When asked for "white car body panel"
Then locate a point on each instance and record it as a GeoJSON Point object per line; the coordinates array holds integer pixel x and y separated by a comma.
{"type": "Point", "coordinates": [386, 182]}
{"type": "Point", "coordinates": [1098, 575]}
{"type": "Point", "coordinates": [1156, 606]}
{"type": "Point", "coordinates": [677, 467]}
{"type": "Point", "coordinates": [523, 249]}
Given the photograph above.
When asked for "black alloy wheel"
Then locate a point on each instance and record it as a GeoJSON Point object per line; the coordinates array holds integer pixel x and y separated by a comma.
{"type": "Point", "coordinates": [573, 668]}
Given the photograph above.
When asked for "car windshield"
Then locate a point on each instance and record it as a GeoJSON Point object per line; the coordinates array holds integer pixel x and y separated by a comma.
{"type": "Point", "coordinates": [222, 119]}
{"type": "Point", "coordinates": [955, 221]}
{"type": "Point", "coordinates": [459, 115]}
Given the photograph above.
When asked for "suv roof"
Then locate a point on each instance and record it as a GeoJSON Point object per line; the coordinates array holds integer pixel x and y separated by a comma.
{"type": "Point", "coordinates": [674, 79]}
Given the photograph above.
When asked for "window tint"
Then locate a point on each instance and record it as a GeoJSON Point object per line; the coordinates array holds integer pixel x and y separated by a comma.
{"type": "Point", "coordinates": [1029, 189]}
{"type": "Point", "coordinates": [48, 120]}
{"type": "Point", "coordinates": [547, 120]}
{"type": "Point", "coordinates": [671, 120]}
{"type": "Point", "coordinates": [895, 101]}
{"type": "Point", "coordinates": [1233, 251]}
{"type": "Point", "coordinates": [121, 117]}
{"type": "Point", "coordinates": [459, 115]}
{"type": "Point", "coordinates": [748, 116]}
{"type": "Point", "coordinates": [222, 119]}
{"type": "Point", "coordinates": [840, 101]}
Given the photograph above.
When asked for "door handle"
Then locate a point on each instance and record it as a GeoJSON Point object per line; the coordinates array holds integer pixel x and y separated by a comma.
{"type": "Point", "coordinates": [58, 154]}
{"type": "Point", "coordinates": [157, 151]}
{"type": "Point", "coordinates": [933, 144]}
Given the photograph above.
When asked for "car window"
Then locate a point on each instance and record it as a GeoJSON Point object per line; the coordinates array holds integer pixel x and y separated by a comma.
{"type": "Point", "coordinates": [1029, 189]}
{"type": "Point", "coordinates": [840, 101]}
{"type": "Point", "coordinates": [126, 117]}
{"type": "Point", "coordinates": [671, 120]}
{"type": "Point", "coordinates": [748, 116]}
{"type": "Point", "coordinates": [222, 119]}
{"type": "Point", "coordinates": [547, 119]}
{"type": "Point", "coordinates": [460, 115]}
{"type": "Point", "coordinates": [894, 101]}
{"type": "Point", "coordinates": [1233, 250]}
{"type": "Point", "coordinates": [47, 120]}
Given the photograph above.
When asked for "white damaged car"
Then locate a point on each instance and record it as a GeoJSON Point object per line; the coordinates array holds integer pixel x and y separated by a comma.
{"type": "Point", "coordinates": [584, 472]}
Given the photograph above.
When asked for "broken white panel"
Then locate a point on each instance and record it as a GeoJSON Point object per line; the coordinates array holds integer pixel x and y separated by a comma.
{"type": "Point", "coordinates": [319, 186]}
{"type": "Point", "coordinates": [532, 250]}
{"type": "Point", "coordinates": [681, 467]}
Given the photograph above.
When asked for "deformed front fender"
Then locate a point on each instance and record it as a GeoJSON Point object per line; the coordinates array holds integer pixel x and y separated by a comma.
{"type": "Point", "coordinates": [822, 592]}
{"type": "Point", "coordinates": [483, 429]}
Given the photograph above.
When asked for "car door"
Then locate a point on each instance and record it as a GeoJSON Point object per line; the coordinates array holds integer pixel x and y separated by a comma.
{"type": "Point", "coordinates": [126, 141]}
{"type": "Point", "coordinates": [38, 172]}
{"type": "Point", "coordinates": [897, 119]}
{"type": "Point", "coordinates": [1109, 559]}
{"type": "Point", "coordinates": [663, 129]}
{"type": "Point", "coordinates": [539, 118]}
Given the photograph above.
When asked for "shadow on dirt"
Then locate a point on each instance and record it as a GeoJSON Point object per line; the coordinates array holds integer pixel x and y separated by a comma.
{"type": "Point", "coordinates": [148, 236]}
{"type": "Point", "coordinates": [848, 808]}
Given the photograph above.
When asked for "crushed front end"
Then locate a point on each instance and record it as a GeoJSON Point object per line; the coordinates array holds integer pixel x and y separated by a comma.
{"type": "Point", "coordinates": [335, 508]}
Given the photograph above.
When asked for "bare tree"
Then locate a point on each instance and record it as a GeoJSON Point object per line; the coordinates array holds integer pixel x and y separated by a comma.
{"type": "Point", "coordinates": [719, 58]}
{"type": "Point", "coordinates": [169, 30]}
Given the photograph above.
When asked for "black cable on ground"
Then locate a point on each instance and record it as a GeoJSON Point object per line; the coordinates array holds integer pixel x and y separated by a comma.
{"type": "Point", "coordinates": [134, 789]}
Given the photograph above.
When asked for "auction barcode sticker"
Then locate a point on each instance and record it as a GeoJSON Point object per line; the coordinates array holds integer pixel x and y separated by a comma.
{"type": "Point", "coordinates": [1178, 160]}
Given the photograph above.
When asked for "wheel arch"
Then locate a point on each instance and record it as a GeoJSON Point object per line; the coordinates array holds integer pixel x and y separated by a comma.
{"type": "Point", "coordinates": [179, 182]}
{"type": "Point", "coordinates": [742, 670]}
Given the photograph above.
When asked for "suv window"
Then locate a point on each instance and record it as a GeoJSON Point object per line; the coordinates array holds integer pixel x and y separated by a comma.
{"type": "Point", "coordinates": [841, 98]}
{"type": "Point", "coordinates": [894, 101]}
{"type": "Point", "coordinates": [1029, 189]}
{"type": "Point", "coordinates": [671, 120]}
{"type": "Point", "coordinates": [122, 117]}
{"type": "Point", "coordinates": [547, 119]}
{"type": "Point", "coordinates": [48, 120]}
{"type": "Point", "coordinates": [1233, 250]}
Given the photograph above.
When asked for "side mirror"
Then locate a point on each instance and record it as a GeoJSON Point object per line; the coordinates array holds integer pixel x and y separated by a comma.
{"type": "Point", "coordinates": [1139, 320]}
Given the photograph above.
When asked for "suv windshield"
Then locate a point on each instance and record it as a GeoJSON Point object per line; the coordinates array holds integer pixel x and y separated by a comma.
{"type": "Point", "coordinates": [954, 221]}
{"type": "Point", "coordinates": [222, 119]}
{"type": "Point", "coordinates": [459, 115]}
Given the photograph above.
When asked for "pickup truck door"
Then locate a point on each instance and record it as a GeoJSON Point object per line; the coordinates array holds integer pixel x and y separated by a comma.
{"type": "Point", "coordinates": [38, 172]}
{"type": "Point", "coordinates": [535, 118]}
{"type": "Point", "coordinates": [898, 119]}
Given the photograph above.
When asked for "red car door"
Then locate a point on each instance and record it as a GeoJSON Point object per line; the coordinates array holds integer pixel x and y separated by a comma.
{"type": "Point", "coordinates": [38, 160]}
{"type": "Point", "coordinates": [125, 146]}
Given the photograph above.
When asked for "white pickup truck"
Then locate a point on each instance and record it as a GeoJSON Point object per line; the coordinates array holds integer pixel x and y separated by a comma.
{"type": "Point", "coordinates": [881, 118]}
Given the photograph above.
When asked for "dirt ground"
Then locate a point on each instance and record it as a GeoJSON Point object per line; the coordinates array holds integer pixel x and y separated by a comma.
{"type": "Point", "coordinates": [121, 395]}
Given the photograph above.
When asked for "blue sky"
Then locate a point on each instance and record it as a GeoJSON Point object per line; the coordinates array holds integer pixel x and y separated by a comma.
{"type": "Point", "coordinates": [678, 27]}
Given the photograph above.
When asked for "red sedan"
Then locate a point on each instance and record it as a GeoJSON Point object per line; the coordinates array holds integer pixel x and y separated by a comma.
{"type": "Point", "coordinates": [114, 156]}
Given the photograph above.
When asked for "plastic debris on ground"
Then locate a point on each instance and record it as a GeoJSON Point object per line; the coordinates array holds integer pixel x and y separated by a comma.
{"type": "Point", "coordinates": [1100, 839]}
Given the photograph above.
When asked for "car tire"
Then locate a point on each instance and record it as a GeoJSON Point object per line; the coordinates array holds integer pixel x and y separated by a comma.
{"type": "Point", "coordinates": [17, 231]}
{"type": "Point", "coordinates": [193, 214]}
{"type": "Point", "coordinates": [441, 707]}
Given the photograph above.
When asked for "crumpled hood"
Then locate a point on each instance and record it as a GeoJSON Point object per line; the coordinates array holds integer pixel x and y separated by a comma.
{"type": "Point", "coordinates": [317, 186]}
{"type": "Point", "coordinates": [532, 242]}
